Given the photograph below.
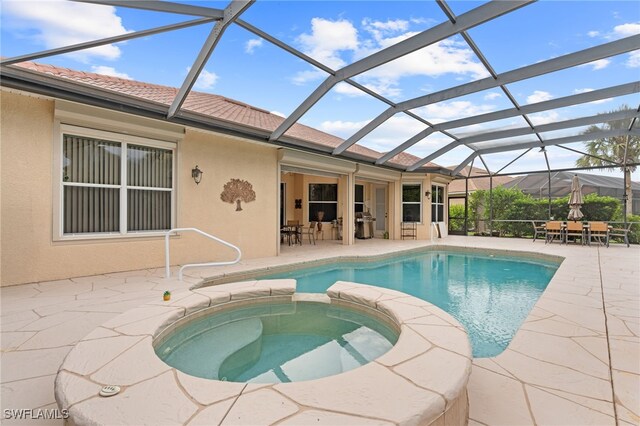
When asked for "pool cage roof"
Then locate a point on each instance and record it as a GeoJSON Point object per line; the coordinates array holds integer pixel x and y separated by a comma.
{"type": "Point", "coordinates": [517, 141]}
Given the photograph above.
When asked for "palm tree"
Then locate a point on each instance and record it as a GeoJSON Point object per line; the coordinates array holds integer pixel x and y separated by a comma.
{"type": "Point", "coordinates": [616, 149]}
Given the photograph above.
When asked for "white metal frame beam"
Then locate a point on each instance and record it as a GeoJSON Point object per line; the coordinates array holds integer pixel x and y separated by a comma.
{"type": "Point", "coordinates": [556, 64]}
{"type": "Point", "coordinates": [440, 32]}
{"type": "Point", "coordinates": [231, 12]}
{"type": "Point", "coordinates": [103, 41]}
{"type": "Point", "coordinates": [549, 142]}
{"type": "Point", "coordinates": [594, 95]}
{"type": "Point", "coordinates": [161, 6]}
{"type": "Point", "coordinates": [550, 127]}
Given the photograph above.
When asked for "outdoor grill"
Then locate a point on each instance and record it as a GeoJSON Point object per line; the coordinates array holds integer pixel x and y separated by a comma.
{"type": "Point", "coordinates": [364, 225]}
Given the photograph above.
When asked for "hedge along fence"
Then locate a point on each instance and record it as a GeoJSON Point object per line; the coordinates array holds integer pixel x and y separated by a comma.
{"type": "Point", "coordinates": [512, 204]}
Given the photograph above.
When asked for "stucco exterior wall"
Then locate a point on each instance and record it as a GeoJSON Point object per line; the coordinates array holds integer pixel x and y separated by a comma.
{"type": "Point", "coordinates": [28, 251]}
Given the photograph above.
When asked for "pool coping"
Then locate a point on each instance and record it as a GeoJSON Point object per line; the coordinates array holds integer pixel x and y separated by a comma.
{"type": "Point", "coordinates": [421, 380]}
{"type": "Point", "coordinates": [254, 273]}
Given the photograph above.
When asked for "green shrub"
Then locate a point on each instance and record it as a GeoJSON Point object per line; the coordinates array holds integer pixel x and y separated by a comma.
{"type": "Point", "coordinates": [513, 204]}
{"type": "Point", "coordinates": [456, 217]}
{"type": "Point", "coordinates": [525, 208]}
{"type": "Point", "coordinates": [599, 208]}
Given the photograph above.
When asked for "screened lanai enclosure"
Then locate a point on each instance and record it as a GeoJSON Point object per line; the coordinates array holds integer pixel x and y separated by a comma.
{"type": "Point", "coordinates": [439, 87]}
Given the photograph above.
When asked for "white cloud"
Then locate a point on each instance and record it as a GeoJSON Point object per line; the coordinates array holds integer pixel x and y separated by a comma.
{"type": "Point", "coordinates": [110, 71]}
{"type": "Point", "coordinates": [545, 117]}
{"type": "Point", "coordinates": [634, 59]}
{"type": "Point", "coordinates": [492, 95]}
{"type": "Point", "coordinates": [349, 90]}
{"type": "Point", "coordinates": [60, 23]}
{"type": "Point", "coordinates": [587, 89]}
{"type": "Point", "coordinates": [444, 57]}
{"type": "Point", "coordinates": [206, 80]}
{"type": "Point", "coordinates": [343, 129]}
{"type": "Point", "coordinates": [251, 45]}
{"type": "Point", "coordinates": [447, 111]}
{"type": "Point", "coordinates": [380, 29]}
{"type": "Point", "coordinates": [597, 65]}
{"type": "Point", "coordinates": [619, 31]}
{"type": "Point", "coordinates": [328, 39]}
{"type": "Point", "coordinates": [539, 96]}
{"type": "Point", "coordinates": [303, 77]}
{"type": "Point", "coordinates": [388, 26]}
{"type": "Point", "coordinates": [278, 113]}
{"type": "Point", "coordinates": [386, 137]}
{"type": "Point", "coordinates": [626, 30]}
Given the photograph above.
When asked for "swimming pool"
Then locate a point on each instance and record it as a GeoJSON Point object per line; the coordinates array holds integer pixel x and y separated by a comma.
{"type": "Point", "coordinates": [491, 295]}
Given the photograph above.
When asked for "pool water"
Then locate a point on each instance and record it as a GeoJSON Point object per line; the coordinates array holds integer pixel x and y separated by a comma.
{"type": "Point", "coordinates": [276, 343]}
{"type": "Point", "coordinates": [490, 295]}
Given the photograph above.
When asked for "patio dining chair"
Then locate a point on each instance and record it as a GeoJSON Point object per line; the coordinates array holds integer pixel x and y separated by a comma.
{"type": "Point", "coordinates": [293, 231]}
{"type": "Point", "coordinates": [538, 229]}
{"type": "Point", "coordinates": [574, 229]}
{"type": "Point", "coordinates": [553, 230]}
{"type": "Point", "coordinates": [310, 231]}
{"type": "Point", "coordinates": [598, 231]}
{"type": "Point", "coordinates": [620, 233]}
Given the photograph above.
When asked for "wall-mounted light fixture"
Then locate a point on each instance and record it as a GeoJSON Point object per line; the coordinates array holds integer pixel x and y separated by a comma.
{"type": "Point", "coordinates": [196, 174]}
{"type": "Point", "coordinates": [427, 194]}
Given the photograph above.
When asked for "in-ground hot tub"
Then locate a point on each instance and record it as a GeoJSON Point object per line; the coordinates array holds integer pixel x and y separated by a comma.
{"type": "Point", "coordinates": [421, 380]}
{"type": "Point", "coordinates": [276, 342]}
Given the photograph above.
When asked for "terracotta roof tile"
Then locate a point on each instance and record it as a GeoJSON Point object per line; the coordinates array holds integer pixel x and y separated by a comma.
{"type": "Point", "coordinates": [476, 184]}
{"type": "Point", "coordinates": [211, 105]}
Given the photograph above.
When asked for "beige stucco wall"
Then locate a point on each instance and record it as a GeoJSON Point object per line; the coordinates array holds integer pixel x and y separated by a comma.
{"type": "Point", "coordinates": [28, 252]}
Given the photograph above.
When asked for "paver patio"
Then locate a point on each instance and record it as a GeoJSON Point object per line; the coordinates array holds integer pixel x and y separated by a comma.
{"type": "Point", "coordinates": [577, 352]}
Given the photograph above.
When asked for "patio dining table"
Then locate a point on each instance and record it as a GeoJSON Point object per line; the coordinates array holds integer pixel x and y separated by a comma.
{"type": "Point", "coordinates": [291, 232]}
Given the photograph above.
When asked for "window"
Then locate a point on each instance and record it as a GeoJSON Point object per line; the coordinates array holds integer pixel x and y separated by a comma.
{"type": "Point", "coordinates": [437, 203]}
{"type": "Point", "coordinates": [114, 184]}
{"type": "Point", "coordinates": [359, 201]}
{"type": "Point", "coordinates": [411, 203]}
{"type": "Point", "coordinates": [323, 197]}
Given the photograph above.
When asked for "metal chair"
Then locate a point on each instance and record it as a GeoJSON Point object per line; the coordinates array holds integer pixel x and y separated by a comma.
{"type": "Point", "coordinates": [620, 232]}
{"type": "Point", "coordinates": [293, 230]}
{"type": "Point", "coordinates": [537, 229]}
{"type": "Point", "coordinates": [598, 231]}
{"type": "Point", "coordinates": [310, 232]}
{"type": "Point", "coordinates": [553, 230]}
{"type": "Point", "coordinates": [574, 229]}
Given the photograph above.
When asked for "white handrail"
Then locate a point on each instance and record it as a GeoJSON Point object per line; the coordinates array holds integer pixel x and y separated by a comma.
{"type": "Point", "coordinates": [193, 265]}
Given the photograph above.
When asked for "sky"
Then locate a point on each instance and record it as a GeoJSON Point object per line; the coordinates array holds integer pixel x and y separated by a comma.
{"type": "Point", "coordinates": [247, 68]}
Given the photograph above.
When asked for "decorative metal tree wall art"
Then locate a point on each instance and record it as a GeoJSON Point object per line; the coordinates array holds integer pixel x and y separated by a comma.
{"type": "Point", "coordinates": [236, 191]}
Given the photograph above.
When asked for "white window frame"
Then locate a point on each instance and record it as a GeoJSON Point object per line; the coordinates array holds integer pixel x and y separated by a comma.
{"type": "Point", "coordinates": [402, 202]}
{"type": "Point", "coordinates": [441, 189]}
{"type": "Point", "coordinates": [309, 202]}
{"type": "Point", "coordinates": [124, 140]}
{"type": "Point", "coordinates": [361, 203]}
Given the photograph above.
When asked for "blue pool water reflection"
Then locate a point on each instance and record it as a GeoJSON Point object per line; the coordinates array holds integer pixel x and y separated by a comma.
{"type": "Point", "coordinates": [490, 295]}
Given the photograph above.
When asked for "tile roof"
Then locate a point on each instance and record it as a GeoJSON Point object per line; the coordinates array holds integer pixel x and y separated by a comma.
{"type": "Point", "coordinates": [458, 185]}
{"type": "Point", "coordinates": [211, 105]}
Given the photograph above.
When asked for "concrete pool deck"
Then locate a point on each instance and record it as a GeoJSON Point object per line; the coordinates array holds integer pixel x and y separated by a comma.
{"type": "Point", "coordinates": [577, 352]}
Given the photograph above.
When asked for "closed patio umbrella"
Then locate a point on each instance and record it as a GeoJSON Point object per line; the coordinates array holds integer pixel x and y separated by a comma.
{"type": "Point", "coordinates": [575, 200]}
